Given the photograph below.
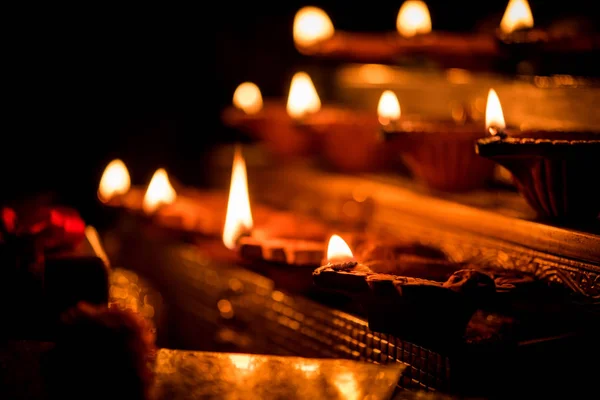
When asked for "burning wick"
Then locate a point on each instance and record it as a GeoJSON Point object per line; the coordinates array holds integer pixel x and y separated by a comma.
{"type": "Point", "coordinates": [303, 98]}
{"type": "Point", "coordinates": [413, 19]}
{"type": "Point", "coordinates": [338, 251]}
{"type": "Point", "coordinates": [238, 220]}
{"type": "Point", "coordinates": [247, 98]}
{"type": "Point", "coordinates": [517, 16]}
{"type": "Point", "coordinates": [159, 192]}
{"type": "Point", "coordinates": [388, 109]}
{"type": "Point", "coordinates": [311, 25]}
{"type": "Point", "coordinates": [115, 181]}
{"type": "Point", "coordinates": [494, 117]}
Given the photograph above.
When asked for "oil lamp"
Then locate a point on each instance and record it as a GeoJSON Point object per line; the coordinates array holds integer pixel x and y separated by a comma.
{"type": "Point", "coordinates": [438, 152]}
{"type": "Point", "coordinates": [551, 169]}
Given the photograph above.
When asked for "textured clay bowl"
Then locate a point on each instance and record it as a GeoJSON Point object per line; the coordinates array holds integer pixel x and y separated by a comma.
{"type": "Point", "coordinates": [556, 172]}
{"type": "Point", "coordinates": [441, 153]}
{"type": "Point", "coordinates": [348, 139]}
{"type": "Point", "coordinates": [272, 126]}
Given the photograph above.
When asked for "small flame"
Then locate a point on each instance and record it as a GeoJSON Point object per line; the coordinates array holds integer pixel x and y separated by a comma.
{"type": "Point", "coordinates": [517, 16]}
{"type": "Point", "coordinates": [338, 251]}
{"type": "Point", "coordinates": [311, 25]}
{"type": "Point", "coordinates": [115, 181]}
{"type": "Point", "coordinates": [494, 117]}
{"type": "Point", "coordinates": [94, 240]}
{"type": "Point", "coordinates": [388, 109]}
{"type": "Point", "coordinates": [303, 98]}
{"type": "Point", "coordinates": [247, 98]}
{"type": "Point", "coordinates": [238, 219]}
{"type": "Point", "coordinates": [159, 192]}
{"type": "Point", "coordinates": [413, 18]}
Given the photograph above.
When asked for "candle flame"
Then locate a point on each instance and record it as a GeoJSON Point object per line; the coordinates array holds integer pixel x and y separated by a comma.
{"type": "Point", "coordinates": [413, 18]}
{"type": "Point", "coordinates": [159, 192]}
{"type": "Point", "coordinates": [494, 117]}
{"type": "Point", "coordinates": [247, 98]}
{"type": "Point", "coordinates": [388, 109]}
{"type": "Point", "coordinates": [94, 240]}
{"type": "Point", "coordinates": [238, 219]}
{"type": "Point", "coordinates": [311, 25]}
{"type": "Point", "coordinates": [338, 250]}
{"type": "Point", "coordinates": [517, 16]}
{"type": "Point", "coordinates": [303, 97]}
{"type": "Point", "coordinates": [115, 181]}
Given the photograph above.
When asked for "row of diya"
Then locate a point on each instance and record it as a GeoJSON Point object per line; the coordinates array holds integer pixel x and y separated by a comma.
{"type": "Point", "coordinates": [260, 238]}
{"type": "Point", "coordinates": [314, 34]}
{"type": "Point", "coordinates": [550, 168]}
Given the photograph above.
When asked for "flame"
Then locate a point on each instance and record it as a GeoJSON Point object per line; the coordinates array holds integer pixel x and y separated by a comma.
{"type": "Point", "coordinates": [311, 25]}
{"type": "Point", "coordinates": [388, 109]}
{"type": "Point", "coordinates": [159, 192]}
{"type": "Point", "coordinates": [238, 219]}
{"type": "Point", "coordinates": [303, 98]}
{"type": "Point", "coordinates": [517, 16]}
{"type": "Point", "coordinates": [413, 18]}
{"type": "Point", "coordinates": [94, 239]}
{"type": "Point", "coordinates": [115, 181]}
{"type": "Point", "coordinates": [347, 385]}
{"type": "Point", "coordinates": [494, 117]}
{"type": "Point", "coordinates": [247, 98]}
{"type": "Point", "coordinates": [338, 251]}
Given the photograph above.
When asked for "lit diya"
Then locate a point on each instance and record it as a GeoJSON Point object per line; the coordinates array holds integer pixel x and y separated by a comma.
{"type": "Point", "coordinates": [553, 170]}
{"type": "Point", "coordinates": [438, 153]}
{"type": "Point", "coordinates": [303, 126]}
{"type": "Point", "coordinates": [314, 34]}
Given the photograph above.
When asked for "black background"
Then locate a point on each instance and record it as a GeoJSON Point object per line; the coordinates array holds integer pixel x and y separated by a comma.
{"type": "Point", "coordinates": [87, 83]}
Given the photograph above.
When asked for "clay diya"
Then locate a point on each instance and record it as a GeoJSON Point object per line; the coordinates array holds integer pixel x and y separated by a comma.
{"type": "Point", "coordinates": [438, 153]}
{"type": "Point", "coordinates": [553, 170]}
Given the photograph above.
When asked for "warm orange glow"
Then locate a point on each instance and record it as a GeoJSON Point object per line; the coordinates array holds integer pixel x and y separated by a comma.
{"type": "Point", "coordinates": [388, 109]}
{"type": "Point", "coordinates": [413, 18]}
{"type": "Point", "coordinates": [347, 385]}
{"type": "Point", "coordinates": [115, 181]}
{"type": "Point", "coordinates": [247, 98]}
{"type": "Point", "coordinates": [311, 25]}
{"type": "Point", "coordinates": [338, 251]}
{"type": "Point", "coordinates": [94, 240]}
{"type": "Point", "coordinates": [238, 219]}
{"type": "Point", "coordinates": [494, 117]}
{"type": "Point", "coordinates": [376, 73]}
{"type": "Point", "coordinates": [159, 192]}
{"type": "Point", "coordinates": [517, 16]}
{"type": "Point", "coordinates": [303, 98]}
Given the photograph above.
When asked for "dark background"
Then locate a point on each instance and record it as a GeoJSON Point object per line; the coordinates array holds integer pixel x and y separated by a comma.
{"type": "Point", "coordinates": [89, 83]}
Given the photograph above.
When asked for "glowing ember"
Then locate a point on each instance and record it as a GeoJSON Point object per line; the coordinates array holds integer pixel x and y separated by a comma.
{"type": "Point", "coordinates": [303, 98]}
{"type": "Point", "coordinates": [247, 98]}
{"type": "Point", "coordinates": [494, 118]}
{"type": "Point", "coordinates": [159, 192]}
{"type": "Point", "coordinates": [311, 25]}
{"type": "Point", "coordinates": [413, 19]}
{"type": "Point", "coordinates": [517, 16]}
{"type": "Point", "coordinates": [338, 251]}
{"type": "Point", "coordinates": [388, 109]}
{"type": "Point", "coordinates": [238, 219]}
{"type": "Point", "coordinates": [115, 181]}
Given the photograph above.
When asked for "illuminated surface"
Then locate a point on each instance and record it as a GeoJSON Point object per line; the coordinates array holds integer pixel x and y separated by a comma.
{"type": "Point", "coordinates": [195, 375]}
